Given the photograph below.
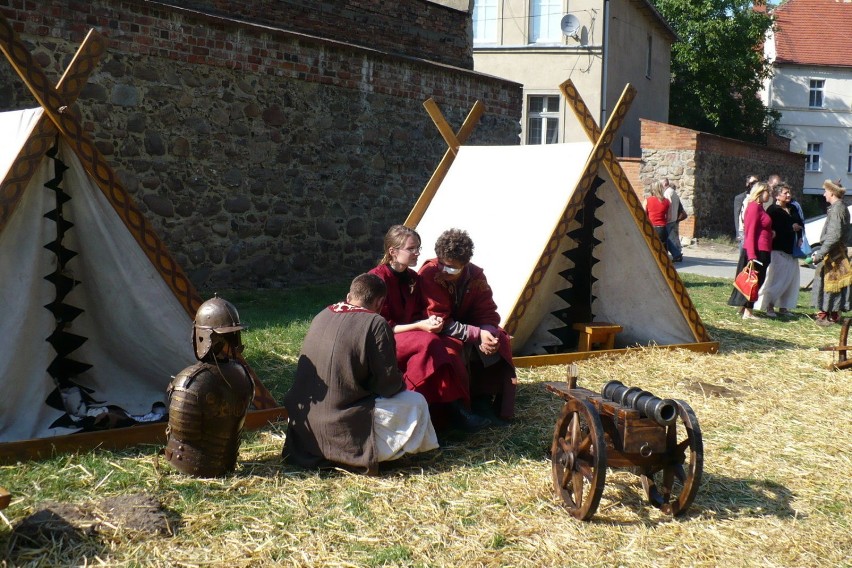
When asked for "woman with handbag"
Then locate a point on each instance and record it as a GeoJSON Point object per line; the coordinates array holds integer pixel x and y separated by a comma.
{"type": "Point", "coordinates": [757, 245]}
{"type": "Point", "coordinates": [831, 288]}
{"type": "Point", "coordinates": [781, 289]}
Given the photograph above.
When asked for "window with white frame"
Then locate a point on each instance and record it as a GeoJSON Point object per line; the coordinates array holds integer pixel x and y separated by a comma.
{"type": "Point", "coordinates": [812, 157]}
{"type": "Point", "coordinates": [849, 161]}
{"type": "Point", "coordinates": [545, 16]}
{"type": "Point", "coordinates": [485, 21]}
{"type": "Point", "coordinates": [817, 90]}
{"type": "Point", "coordinates": [543, 119]}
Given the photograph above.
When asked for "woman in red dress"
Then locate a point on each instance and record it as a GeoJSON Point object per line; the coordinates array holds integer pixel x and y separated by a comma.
{"type": "Point", "coordinates": [423, 354]}
{"type": "Point", "coordinates": [456, 291]}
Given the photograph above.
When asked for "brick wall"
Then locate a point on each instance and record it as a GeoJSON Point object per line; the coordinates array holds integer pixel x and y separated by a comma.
{"type": "Point", "coordinates": [632, 167]}
{"type": "Point", "coordinates": [709, 171]}
{"type": "Point", "coordinates": [408, 27]}
{"type": "Point", "coordinates": [262, 157]}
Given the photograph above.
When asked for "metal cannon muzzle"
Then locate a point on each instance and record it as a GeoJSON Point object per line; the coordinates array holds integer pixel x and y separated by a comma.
{"type": "Point", "coordinates": [663, 411]}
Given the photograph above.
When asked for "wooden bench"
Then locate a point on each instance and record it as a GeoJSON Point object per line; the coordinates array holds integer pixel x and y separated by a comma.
{"type": "Point", "coordinates": [597, 333]}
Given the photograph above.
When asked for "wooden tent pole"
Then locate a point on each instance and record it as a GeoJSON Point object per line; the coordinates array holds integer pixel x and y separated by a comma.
{"type": "Point", "coordinates": [443, 126]}
{"type": "Point", "coordinates": [622, 183]}
{"type": "Point", "coordinates": [460, 138]}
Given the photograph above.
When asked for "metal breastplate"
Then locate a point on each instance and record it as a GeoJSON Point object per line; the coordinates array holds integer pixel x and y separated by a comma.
{"type": "Point", "coordinates": [207, 408]}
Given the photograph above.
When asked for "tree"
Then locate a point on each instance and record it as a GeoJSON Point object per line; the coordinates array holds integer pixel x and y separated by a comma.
{"type": "Point", "coordinates": [718, 67]}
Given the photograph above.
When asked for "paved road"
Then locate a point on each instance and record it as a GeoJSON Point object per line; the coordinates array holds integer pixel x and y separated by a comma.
{"type": "Point", "coordinates": [720, 261]}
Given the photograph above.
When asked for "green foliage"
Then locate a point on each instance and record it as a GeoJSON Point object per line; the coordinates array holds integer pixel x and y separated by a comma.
{"type": "Point", "coordinates": [718, 67]}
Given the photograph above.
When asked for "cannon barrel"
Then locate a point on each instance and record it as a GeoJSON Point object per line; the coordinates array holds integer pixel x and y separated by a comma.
{"type": "Point", "coordinates": [662, 410]}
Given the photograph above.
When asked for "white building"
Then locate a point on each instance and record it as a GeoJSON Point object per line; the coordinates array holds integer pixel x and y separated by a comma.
{"type": "Point", "coordinates": [609, 43]}
{"type": "Point", "coordinates": [811, 53]}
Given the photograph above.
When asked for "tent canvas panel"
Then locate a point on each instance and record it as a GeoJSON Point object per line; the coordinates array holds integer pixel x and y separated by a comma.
{"type": "Point", "coordinates": [138, 332]}
{"type": "Point", "coordinates": [505, 198]}
{"type": "Point", "coordinates": [16, 127]}
{"type": "Point", "coordinates": [630, 289]}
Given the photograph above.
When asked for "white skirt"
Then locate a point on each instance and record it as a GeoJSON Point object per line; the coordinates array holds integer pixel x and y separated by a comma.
{"type": "Point", "coordinates": [781, 287]}
{"type": "Point", "coordinates": [401, 425]}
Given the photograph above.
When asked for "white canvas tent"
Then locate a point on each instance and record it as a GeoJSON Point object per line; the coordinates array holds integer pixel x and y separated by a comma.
{"type": "Point", "coordinates": [136, 330]}
{"type": "Point", "coordinates": [92, 299]}
{"type": "Point", "coordinates": [562, 241]}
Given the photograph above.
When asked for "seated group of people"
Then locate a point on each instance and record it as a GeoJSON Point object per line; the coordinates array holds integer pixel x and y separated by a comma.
{"type": "Point", "coordinates": [406, 352]}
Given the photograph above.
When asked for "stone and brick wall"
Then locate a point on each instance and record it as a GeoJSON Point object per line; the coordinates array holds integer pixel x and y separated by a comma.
{"type": "Point", "coordinates": [709, 171]}
{"type": "Point", "coordinates": [408, 27]}
{"type": "Point", "coordinates": [262, 157]}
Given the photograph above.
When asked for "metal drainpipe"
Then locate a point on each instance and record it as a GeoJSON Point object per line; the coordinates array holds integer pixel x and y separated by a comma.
{"type": "Point", "coordinates": [604, 66]}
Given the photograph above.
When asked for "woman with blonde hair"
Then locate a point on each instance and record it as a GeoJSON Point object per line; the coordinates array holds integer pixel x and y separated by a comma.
{"type": "Point", "coordinates": [657, 208]}
{"type": "Point", "coordinates": [831, 289]}
{"type": "Point", "coordinates": [757, 244]}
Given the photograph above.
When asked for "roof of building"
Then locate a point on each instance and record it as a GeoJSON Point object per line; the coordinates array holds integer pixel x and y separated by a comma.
{"type": "Point", "coordinates": [654, 15]}
{"type": "Point", "coordinates": [814, 32]}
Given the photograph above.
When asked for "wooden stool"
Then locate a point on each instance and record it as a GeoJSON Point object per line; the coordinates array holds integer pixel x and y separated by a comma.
{"type": "Point", "coordinates": [597, 332]}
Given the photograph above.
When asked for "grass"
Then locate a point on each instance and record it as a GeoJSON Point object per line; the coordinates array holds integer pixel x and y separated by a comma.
{"type": "Point", "coordinates": [774, 493]}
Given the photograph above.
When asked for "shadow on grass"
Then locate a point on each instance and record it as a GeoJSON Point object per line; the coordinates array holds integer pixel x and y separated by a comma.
{"type": "Point", "coordinates": [719, 498]}
{"type": "Point", "coordinates": [261, 309]}
{"type": "Point", "coordinates": [734, 340]}
{"type": "Point", "coordinates": [732, 498]}
{"type": "Point", "coordinates": [708, 284]}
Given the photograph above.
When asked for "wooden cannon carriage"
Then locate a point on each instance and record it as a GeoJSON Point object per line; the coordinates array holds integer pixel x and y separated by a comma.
{"type": "Point", "coordinates": [595, 432]}
{"type": "Point", "coordinates": [843, 362]}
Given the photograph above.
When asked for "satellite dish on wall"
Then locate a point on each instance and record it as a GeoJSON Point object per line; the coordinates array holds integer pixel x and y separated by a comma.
{"type": "Point", "coordinates": [570, 25]}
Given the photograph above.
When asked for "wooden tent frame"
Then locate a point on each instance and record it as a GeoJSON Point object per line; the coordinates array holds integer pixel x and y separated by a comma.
{"type": "Point", "coordinates": [601, 154]}
{"type": "Point", "coordinates": [60, 119]}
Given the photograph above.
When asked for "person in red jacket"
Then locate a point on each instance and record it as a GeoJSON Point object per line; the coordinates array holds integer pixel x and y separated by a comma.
{"type": "Point", "coordinates": [422, 352]}
{"type": "Point", "coordinates": [657, 208]}
{"type": "Point", "coordinates": [457, 291]}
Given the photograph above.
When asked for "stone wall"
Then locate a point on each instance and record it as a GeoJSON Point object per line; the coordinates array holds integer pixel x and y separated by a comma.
{"type": "Point", "coordinates": [408, 27]}
{"type": "Point", "coordinates": [262, 157]}
{"type": "Point", "coordinates": [709, 171]}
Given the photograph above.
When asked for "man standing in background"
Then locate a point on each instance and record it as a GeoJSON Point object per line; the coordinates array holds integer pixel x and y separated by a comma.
{"type": "Point", "coordinates": [673, 239]}
{"type": "Point", "coordinates": [738, 209]}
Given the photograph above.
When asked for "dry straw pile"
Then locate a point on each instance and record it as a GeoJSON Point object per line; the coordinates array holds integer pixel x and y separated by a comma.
{"type": "Point", "coordinates": [775, 490]}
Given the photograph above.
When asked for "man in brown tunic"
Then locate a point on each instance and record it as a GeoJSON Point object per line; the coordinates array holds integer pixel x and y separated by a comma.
{"type": "Point", "coordinates": [348, 361]}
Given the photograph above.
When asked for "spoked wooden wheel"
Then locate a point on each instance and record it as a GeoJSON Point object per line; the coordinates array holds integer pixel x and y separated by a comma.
{"type": "Point", "coordinates": [672, 486]}
{"type": "Point", "coordinates": [578, 455]}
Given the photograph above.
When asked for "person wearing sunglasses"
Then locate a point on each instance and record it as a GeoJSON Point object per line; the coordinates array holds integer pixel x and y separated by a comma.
{"type": "Point", "coordinates": [457, 291]}
{"type": "Point", "coordinates": [421, 351]}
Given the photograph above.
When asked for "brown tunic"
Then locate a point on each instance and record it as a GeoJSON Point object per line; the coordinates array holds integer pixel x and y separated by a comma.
{"type": "Point", "coordinates": [348, 359]}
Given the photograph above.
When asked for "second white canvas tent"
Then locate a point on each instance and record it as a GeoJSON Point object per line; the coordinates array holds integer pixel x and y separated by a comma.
{"type": "Point", "coordinates": [562, 243]}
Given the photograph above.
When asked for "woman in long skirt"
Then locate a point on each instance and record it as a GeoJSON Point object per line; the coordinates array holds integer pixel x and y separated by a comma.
{"type": "Point", "coordinates": [781, 289]}
{"type": "Point", "coordinates": [831, 289]}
